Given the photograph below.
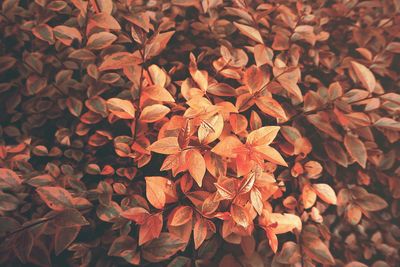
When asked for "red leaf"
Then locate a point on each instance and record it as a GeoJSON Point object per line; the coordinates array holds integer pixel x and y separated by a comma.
{"type": "Point", "coordinates": [9, 179]}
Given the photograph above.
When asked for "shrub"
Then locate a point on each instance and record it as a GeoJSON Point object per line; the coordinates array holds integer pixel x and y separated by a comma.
{"type": "Point", "coordinates": [199, 132]}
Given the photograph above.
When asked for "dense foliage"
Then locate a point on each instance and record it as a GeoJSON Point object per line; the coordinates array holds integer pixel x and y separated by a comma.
{"type": "Point", "coordinates": [199, 133]}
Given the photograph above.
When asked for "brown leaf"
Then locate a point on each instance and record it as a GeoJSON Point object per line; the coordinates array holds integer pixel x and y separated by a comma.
{"type": "Point", "coordinates": [250, 32]}
{"type": "Point", "coordinates": [66, 35]}
{"type": "Point", "coordinates": [9, 179]}
{"type": "Point", "coordinates": [356, 149]}
{"type": "Point", "coordinates": [44, 32]}
{"type": "Point", "coordinates": [364, 75]}
{"type": "Point", "coordinates": [56, 198]}
{"type": "Point", "coordinates": [100, 40]}
{"type": "Point", "coordinates": [105, 21]}
{"type": "Point", "coordinates": [162, 248]}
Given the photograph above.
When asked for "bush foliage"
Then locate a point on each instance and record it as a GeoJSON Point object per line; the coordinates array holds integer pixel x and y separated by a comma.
{"type": "Point", "coordinates": [199, 133]}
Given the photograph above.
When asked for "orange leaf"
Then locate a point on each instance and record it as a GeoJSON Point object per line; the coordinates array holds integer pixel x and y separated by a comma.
{"type": "Point", "coordinates": [227, 146]}
{"type": "Point", "coordinates": [272, 239]}
{"type": "Point", "coordinates": [151, 229]}
{"type": "Point", "coordinates": [309, 196]}
{"type": "Point", "coordinates": [271, 154]}
{"type": "Point", "coordinates": [105, 6]}
{"type": "Point", "coordinates": [153, 113]}
{"type": "Point", "coordinates": [159, 93]}
{"type": "Point", "coordinates": [181, 215]}
{"type": "Point", "coordinates": [167, 145]}
{"type": "Point", "coordinates": [271, 107]}
{"type": "Point", "coordinates": [353, 213]}
{"type": "Point", "coordinates": [67, 34]}
{"type": "Point", "coordinates": [106, 21]}
{"type": "Point", "coordinates": [123, 109]}
{"type": "Point", "coordinates": [199, 232]}
{"type": "Point", "coordinates": [136, 214]}
{"type": "Point", "coordinates": [262, 136]}
{"type": "Point", "coordinates": [285, 222]}
{"type": "Point", "coordinates": [157, 44]}
{"type": "Point", "coordinates": [240, 215]}
{"type": "Point", "coordinates": [326, 193]}
{"type": "Point", "coordinates": [155, 190]}
{"type": "Point", "coordinates": [100, 40]}
{"type": "Point", "coordinates": [196, 165]}
{"type": "Point", "coordinates": [256, 200]}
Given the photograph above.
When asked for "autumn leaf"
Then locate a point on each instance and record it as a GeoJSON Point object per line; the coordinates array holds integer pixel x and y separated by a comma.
{"type": "Point", "coordinates": [121, 108]}
{"type": "Point", "coordinates": [151, 229]}
{"type": "Point", "coordinates": [155, 190]}
{"type": "Point", "coordinates": [105, 21]}
{"type": "Point", "coordinates": [64, 237]}
{"type": "Point", "coordinates": [250, 32]}
{"type": "Point", "coordinates": [262, 136]}
{"type": "Point", "coordinates": [309, 196]}
{"type": "Point", "coordinates": [316, 249]}
{"type": "Point", "coordinates": [56, 198]}
{"type": "Point", "coordinates": [371, 202]}
{"type": "Point", "coordinates": [66, 35]}
{"type": "Point", "coordinates": [74, 106]}
{"type": "Point", "coordinates": [325, 192]}
{"type": "Point", "coordinates": [100, 40]}
{"type": "Point", "coordinates": [157, 44]}
{"type": "Point", "coordinates": [158, 93]}
{"type": "Point", "coordinates": [285, 222]}
{"type": "Point", "coordinates": [199, 232]}
{"type": "Point", "coordinates": [167, 145]}
{"type": "Point", "coordinates": [356, 149]}
{"type": "Point", "coordinates": [153, 113]}
{"type": "Point", "coordinates": [227, 146]}
{"type": "Point", "coordinates": [196, 165]}
{"type": "Point", "coordinates": [240, 215]}
{"type": "Point", "coordinates": [364, 75]}
{"type": "Point", "coordinates": [181, 215]}
{"type": "Point", "coordinates": [136, 214]}
{"type": "Point", "coordinates": [44, 32]}
{"type": "Point", "coordinates": [162, 248]}
{"type": "Point", "coordinates": [9, 179]}
{"type": "Point", "coordinates": [270, 107]}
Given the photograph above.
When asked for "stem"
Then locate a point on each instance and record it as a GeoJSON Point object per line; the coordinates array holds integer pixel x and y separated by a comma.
{"type": "Point", "coordinates": [43, 220]}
